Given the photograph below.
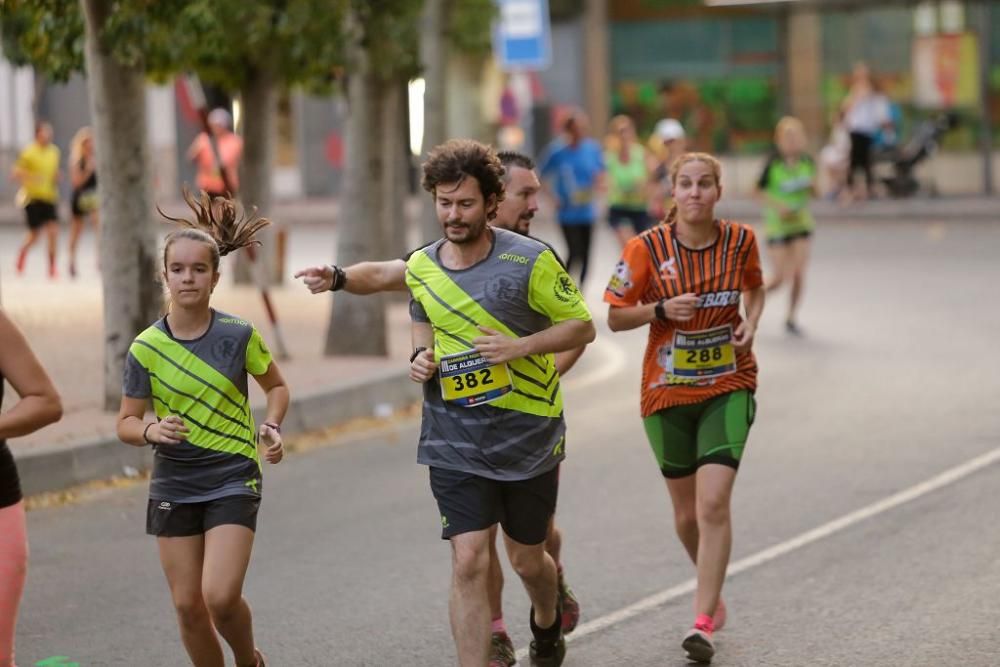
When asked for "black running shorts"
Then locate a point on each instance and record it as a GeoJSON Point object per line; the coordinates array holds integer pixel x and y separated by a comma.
{"type": "Point", "coordinates": [468, 503]}
{"type": "Point", "coordinates": [40, 213]}
{"type": "Point", "coordinates": [169, 519]}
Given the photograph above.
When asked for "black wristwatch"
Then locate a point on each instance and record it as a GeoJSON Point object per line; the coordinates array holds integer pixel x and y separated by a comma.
{"type": "Point", "coordinates": [660, 310]}
{"type": "Point", "coordinates": [339, 278]}
{"type": "Point", "coordinates": [416, 351]}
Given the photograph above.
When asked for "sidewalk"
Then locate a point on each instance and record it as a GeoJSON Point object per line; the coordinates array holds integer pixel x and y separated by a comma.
{"type": "Point", "coordinates": [318, 211]}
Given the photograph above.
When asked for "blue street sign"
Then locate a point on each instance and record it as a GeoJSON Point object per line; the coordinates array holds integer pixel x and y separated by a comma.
{"type": "Point", "coordinates": [523, 38]}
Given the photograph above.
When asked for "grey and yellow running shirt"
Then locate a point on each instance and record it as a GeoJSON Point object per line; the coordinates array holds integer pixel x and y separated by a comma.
{"type": "Point", "coordinates": [203, 381]}
{"type": "Point", "coordinates": [516, 430]}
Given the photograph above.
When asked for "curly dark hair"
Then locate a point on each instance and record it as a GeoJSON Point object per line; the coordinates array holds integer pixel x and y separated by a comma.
{"type": "Point", "coordinates": [454, 160]}
{"type": "Point", "coordinates": [219, 222]}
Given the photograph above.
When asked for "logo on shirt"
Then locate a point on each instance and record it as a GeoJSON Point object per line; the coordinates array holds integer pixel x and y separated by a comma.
{"type": "Point", "coordinates": [502, 288]}
{"type": "Point", "coordinates": [719, 299]}
{"type": "Point", "coordinates": [621, 280]}
{"type": "Point", "coordinates": [668, 268]}
{"type": "Point", "coordinates": [224, 349]}
{"type": "Point", "coordinates": [565, 290]}
{"type": "Point", "coordinates": [511, 257]}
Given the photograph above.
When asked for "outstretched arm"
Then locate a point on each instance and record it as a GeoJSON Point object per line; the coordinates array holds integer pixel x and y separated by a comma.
{"type": "Point", "coordinates": [361, 278]}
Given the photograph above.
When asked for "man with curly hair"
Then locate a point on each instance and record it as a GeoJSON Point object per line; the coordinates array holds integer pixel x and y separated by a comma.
{"type": "Point", "coordinates": [489, 309]}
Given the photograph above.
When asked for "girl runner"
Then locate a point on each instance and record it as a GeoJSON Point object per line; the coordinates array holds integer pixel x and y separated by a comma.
{"type": "Point", "coordinates": [205, 490]}
{"type": "Point", "coordinates": [685, 279]}
{"type": "Point", "coordinates": [785, 186]}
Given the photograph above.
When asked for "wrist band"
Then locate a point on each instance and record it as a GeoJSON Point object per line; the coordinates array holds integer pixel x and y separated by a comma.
{"type": "Point", "coordinates": [339, 278]}
{"type": "Point", "coordinates": [416, 352]}
{"type": "Point", "coordinates": [660, 310]}
{"type": "Point", "coordinates": [272, 425]}
{"type": "Point", "coordinates": [145, 431]}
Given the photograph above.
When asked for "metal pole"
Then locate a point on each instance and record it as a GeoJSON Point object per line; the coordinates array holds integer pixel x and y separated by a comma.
{"type": "Point", "coordinates": [985, 124]}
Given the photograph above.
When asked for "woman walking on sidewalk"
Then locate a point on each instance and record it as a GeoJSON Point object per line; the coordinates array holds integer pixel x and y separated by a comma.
{"type": "Point", "coordinates": [83, 203]}
{"type": "Point", "coordinates": [39, 405]}
{"type": "Point", "coordinates": [206, 485]}
{"type": "Point", "coordinates": [685, 279]}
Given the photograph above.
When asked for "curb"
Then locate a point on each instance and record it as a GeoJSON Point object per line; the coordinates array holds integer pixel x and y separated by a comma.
{"type": "Point", "coordinates": [102, 458]}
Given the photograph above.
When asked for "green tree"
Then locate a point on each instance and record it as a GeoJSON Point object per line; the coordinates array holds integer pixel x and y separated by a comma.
{"type": "Point", "coordinates": [246, 46]}
{"type": "Point", "coordinates": [60, 37]}
{"type": "Point", "coordinates": [381, 46]}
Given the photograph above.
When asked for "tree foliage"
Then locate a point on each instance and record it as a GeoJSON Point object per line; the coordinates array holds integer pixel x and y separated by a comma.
{"type": "Point", "coordinates": [47, 34]}
{"type": "Point", "coordinates": [225, 41]}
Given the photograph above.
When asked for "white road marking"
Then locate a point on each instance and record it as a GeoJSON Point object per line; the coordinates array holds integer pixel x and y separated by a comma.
{"type": "Point", "coordinates": [910, 494]}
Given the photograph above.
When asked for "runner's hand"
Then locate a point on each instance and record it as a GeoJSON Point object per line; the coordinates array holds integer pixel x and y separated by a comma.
{"type": "Point", "coordinates": [316, 278]}
{"type": "Point", "coordinates": [274, 448]}
{"type": "Point", "coordinates": [681, 308]}
{"type": "Point", "coordinates": [169, 431]}
{"type": "Point", "coordinates": [743, 336]}
{"type": "Point", "coordinates": [423, 367]}
{"type": "Point", "coordinates": [496, 347]}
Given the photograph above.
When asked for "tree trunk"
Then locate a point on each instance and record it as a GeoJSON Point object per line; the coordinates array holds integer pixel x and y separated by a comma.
{"type": "Point", "coordinates": [357, 323]}
{"type": "Point", "coordinates": [258, 102]}
{"type": "Point", "coordinates": [433, 57]}
{"type": "Point", "coordinates": [133, 294]}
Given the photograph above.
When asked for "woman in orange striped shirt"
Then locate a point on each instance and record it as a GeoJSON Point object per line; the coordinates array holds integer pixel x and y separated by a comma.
{"type": "Point", "coordinates": [685, 279]}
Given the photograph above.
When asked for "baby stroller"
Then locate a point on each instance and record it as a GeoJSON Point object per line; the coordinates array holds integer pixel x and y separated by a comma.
{"type": "Point", "coordinates": [904, 159]}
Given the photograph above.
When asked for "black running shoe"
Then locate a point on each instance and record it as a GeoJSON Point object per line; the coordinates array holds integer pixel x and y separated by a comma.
{"type": "Point", "coordinates": [548, 648]}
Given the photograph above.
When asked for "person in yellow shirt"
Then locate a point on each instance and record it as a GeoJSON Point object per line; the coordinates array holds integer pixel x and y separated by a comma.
{"type": "Point", "coordinates": [37, 170]}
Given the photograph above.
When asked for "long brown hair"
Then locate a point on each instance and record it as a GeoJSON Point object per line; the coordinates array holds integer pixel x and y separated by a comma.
{"type": "Point", "coordinates": [710, 160]}
{"type": "Point", "coordinates": [219, 222]}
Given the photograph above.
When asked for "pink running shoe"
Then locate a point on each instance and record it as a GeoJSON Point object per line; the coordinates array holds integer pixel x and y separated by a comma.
{"type": "Point", "coordinates": [698, 641]}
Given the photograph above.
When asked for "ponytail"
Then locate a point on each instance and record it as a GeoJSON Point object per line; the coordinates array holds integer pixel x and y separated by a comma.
{"type": "Point", "coordinates": [218, 222]}
{"type": "Point", "coordinates": [671, 216]}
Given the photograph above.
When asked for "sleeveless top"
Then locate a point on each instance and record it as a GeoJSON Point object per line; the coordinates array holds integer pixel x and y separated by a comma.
{"type": "Point", "coordinates": [10, 483]}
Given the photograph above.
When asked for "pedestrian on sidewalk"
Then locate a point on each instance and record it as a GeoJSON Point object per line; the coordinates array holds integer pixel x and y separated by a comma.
{"type": "Point", "coordinates": [785, 188]}
{"type": "Point", "coordinates": [83, 202]}
{"type": "Point", "coordinates": [685, 279]}
{"type": "Point", "coordinates": [573, 165]}
{"type": "Point", "coordinates": [482, 371]}
{"type": "Point", "coordinates": [866, 112]}
{"type": "Point", "coordinates": [514, 213]}
{"type": "Point", "coordinates": [205, 490]}
{"type": "Point", "coordinates": [209, 172]}
{"type": "Point", "coordinates": [38, 406]}
{"type": "Point", "coordinates": [37, 170]}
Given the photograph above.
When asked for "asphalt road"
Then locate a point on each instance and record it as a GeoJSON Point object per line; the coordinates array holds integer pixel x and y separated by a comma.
{"type": "Point", "coordinates": [895, 382]}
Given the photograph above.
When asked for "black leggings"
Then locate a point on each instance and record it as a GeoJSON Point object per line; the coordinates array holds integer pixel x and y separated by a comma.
{"type": "Point", "coordinates": [861, 157]}
{"type": "Point", "coordinates": [578, 242]}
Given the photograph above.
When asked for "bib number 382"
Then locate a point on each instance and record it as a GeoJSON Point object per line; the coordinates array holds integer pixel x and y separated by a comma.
{"type": "Point", "coordinates": [703, 354]}
{"type": "Point", "coordinates": [467, 379]}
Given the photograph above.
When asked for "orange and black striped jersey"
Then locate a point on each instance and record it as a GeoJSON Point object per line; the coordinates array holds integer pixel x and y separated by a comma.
{"type": "Point", "coordinates": [654, 266]}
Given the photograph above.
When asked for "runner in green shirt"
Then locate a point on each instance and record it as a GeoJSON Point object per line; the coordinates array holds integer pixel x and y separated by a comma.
{"type": "Point", "coordinates": [785, 187]}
